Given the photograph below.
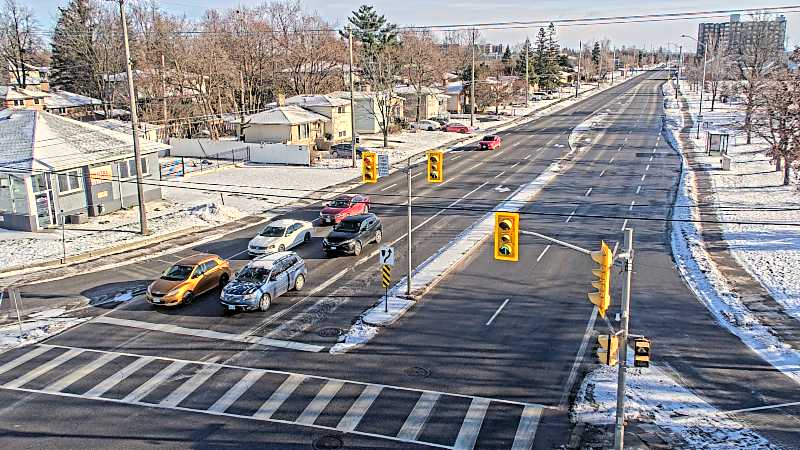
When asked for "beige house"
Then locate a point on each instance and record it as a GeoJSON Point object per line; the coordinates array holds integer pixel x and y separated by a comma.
{"type": "Point", "coordinates": [430, 104]}
{"type": "Point", "coordinates": [337, 129]}
{"type": "Point", "coordinates": [367, 106]}
{"type": "Point", "coordinates": [285, 124]}
{"type": "Point", "coordinates": [16, 97]}
{"type": "Point", "coordinates": [35, 77]}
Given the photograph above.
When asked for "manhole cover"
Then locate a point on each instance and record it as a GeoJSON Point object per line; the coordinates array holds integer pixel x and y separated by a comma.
{"type": "Point", "coordinates": [328, 443]}
{"type": "Point", "coordinates": [418, 372]}
{"type": "Point", "coordinates": [330, 332]}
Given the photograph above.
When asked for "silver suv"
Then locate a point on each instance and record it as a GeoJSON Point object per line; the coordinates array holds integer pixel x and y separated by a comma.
{"type": "Point", "coordinates": [263, 280]}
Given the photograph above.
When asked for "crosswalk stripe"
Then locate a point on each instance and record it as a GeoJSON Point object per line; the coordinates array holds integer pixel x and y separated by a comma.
{"type": "Point", "coordinates": [113, 380]}
{"type": "Point", "coordinates": [233, 394]}
{"type": "Point", "coordinates": [321, 400]}
{"type": "Point", "coordinates": [526, 431]}
{"type": "Point", "coordinates": [20, 360]}
{"type": "Point", "coordinates": [44, 368]}
{"type": "Point", "coordinates": [468, 434]}
{"type": "Point", "coordinates": [356, 412]}
{"type": "Point", "coordinates": [86, 369]}
{"type": "Point", "coordinates": [151, 384]}
{"type": "Point", "coordinates": [189, 386]}
{"type": "Point", "coordinates": [418, 417]}
{"type": "Point", "coordinates": [279, 396]}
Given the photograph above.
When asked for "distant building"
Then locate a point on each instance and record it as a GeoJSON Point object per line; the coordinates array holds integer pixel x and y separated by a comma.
{"type": "Point", "coordinates": [736, 34]}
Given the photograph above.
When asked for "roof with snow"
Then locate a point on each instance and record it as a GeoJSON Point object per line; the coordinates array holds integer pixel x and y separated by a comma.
{"type": "Point", "coordinates": [286, 115]}
{"type": "Point", "coordinates": [316, 100]}
{"type": "Point", "coordinates": [412, 90]}
{"type": "Point", "coordinates": [125, 126]}
{"type": "Point", "coordinates": [64, 99]}
{"type": "Point", "coordinates": [38, 140]}
{"type": "Point", "coordinates": [17, 93]}
{"type": "Point", "coordinates": [358, 95]}
{"type": "Point", "coordinates": [454, 88]}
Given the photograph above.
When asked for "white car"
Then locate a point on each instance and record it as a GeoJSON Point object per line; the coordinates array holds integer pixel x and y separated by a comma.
{"type": "Point", "coordinates": [426, 125]}
{"type": "Point", "coordinates": [279, 236]}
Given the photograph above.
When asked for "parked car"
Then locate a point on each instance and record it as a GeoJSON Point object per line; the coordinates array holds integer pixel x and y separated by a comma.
{"type": "Point", "coordinates": [457, 128]}
{"type": "Point", "coordinates": [280, 235]}
{"type": "Point", "coordinates": [351, 234]}
{"type": "Point", "coordinates": [490, 142]}
{"type": "Point", "coordinates": [343, 206]}
{"type": "Point", "coordinates": [442, 121]}
{"type": "Point", "coordinates": [186, 279]}
{"type": "Point", "coordinates": [345, 150]}
{"type": "Point", "coordinates": [263, 280]}
{"type": "Point", "coordinates": [428, 125]}
{"type": "Point", "coordinates": [542, 95]}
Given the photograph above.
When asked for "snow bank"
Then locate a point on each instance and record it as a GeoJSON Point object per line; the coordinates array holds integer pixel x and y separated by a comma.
{"type": "Point", "coordinates": [41, 325]}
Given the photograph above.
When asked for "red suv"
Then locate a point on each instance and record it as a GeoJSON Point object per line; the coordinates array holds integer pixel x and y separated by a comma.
{"type": "Point", "coordinates": [490, 142]}
{"type": "Point", "coordinates": [343, 206]}
{"type": "Point", "coordinates": [457, 128]}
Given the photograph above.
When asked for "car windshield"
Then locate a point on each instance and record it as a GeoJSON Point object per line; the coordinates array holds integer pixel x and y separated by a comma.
{"type": "Point", "coordinates": [340, 203]}
{"type": "Point", "coordinates": [488, 138]}
{"type": "Point", "coordinates": [348, 226]}
{"type": "Point", "coordinates": [177, 273]}
{"type": "Point", "coordinates": [271, 231]}
{"type": "Point", "coordinates": [253, 274]}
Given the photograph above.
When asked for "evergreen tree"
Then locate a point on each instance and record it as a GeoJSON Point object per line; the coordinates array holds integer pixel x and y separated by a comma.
{"type": "Point", "coordinates": [73, 61]}
{"type": "Point", "coordinates": [520, 67]}
{"type": "Point", "coordinates": [372, 30]}
{"type": "Point", "coordinates": [596, 53]}
{"type": "Point", "coordinates": [506, 60]}
{"type": "Point", "coordinates": [540, 60]}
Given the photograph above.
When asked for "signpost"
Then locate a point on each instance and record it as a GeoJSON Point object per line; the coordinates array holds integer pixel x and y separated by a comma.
{"type": "Point", "coordinates": [383, 165]}
{"type": "Point", "coordinates": [386, 260]}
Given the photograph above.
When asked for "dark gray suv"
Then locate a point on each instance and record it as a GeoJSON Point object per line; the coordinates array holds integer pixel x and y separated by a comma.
{"type": "Point", "coordinates": [351, 234]}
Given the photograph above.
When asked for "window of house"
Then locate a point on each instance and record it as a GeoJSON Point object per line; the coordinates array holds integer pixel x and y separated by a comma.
{"type": "Point", "coordinates": [36, 101]}
{"type": "Point", "coordinates": [69, 181]}
{"type": "Point", "coordinates": [341, 110]}
{"type": "Point", "coordinates": [305, 131]}
{"type": "Point", "coordinates": [342, 133]}
{"type": "Point", "coordinates": [19, 102]}
{"type": "Point", "coordinates": [122, 168]}
{"type": "Point", "coordinates": [144, 166]}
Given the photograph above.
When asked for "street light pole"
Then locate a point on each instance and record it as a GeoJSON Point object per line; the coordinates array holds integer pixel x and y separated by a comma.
{"type": "Point", "coordinates": [527, 63]}
{"type": "Point", "coordinates": [472, 85]}
{"type": "Point", "coordinates": [410, 264]}
{"type": "Point", "coordinates": [578, 77]}
{"type": "Point", "coordinates": [137, 154]}
{"type": "Point", "coordinates": [352, 99]}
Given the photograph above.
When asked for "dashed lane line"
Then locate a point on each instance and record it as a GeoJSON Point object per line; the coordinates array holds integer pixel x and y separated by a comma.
{"type": "Point", "coordinates": [541, 255]}
{"type": "Point", "coordinates": [633, 202]}
{"type": "Point", "coordinates": [570, 216]}
{"type": "Point", "coordinates": [496, 313]}
{"type": "Point", "coordinates": [390, 186]}
{"type": "Point", "coordinates": [588, 191]}
{"type": "Point", "coordinates": [638, 188]}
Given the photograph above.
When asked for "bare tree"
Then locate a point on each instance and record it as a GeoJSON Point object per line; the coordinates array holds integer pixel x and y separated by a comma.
{"type": "Point", "coordinates": [718, 67]}
{"type": "Point", "coordinates": [776, 119]}
{"type": "Point", "coordinates": [18, 38]}
{"type": "Point", "coordinates": [422, 59]}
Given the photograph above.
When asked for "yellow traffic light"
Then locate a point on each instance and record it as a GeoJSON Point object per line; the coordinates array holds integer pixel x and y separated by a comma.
{"type": "Point", "coordinates": [641, 352]}
{"type": "Point", "coordinates": [506, 236]}
{"type": "Point", "coordinates": [436, 166]}
{"type": "Point", "coordinates": [608, 350]}
{"type": "Point", "coordinates": [369, 167]}
{"type": "Point", "coordinates": [602, 298]}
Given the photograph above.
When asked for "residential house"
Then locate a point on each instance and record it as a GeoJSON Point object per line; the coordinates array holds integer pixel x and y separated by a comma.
{"type": "Point", "coordinates": [430, 105]}
{"type": "Point", "coordinates": [337, 129]}
{"type": "Point", "coordinates": [53, 166]}
{"type": "Point", "coordinates": [367, 110]}
{"type": "Point", "coordinates": [457, 94]}
{"type": "Point", "coordinates": [35, 77]}
{"type": "Point", "coordinates": [146, 131]}
{"type": "Point", "coordinates": [72, 105]}
{"type": "Point", "coordinates": [17, 97]}
{"type": "Point", "coordinates": [285, 124]}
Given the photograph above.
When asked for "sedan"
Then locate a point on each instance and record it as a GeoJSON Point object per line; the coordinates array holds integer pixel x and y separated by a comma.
{"type": "Point", "coordinates": [346, 150]}
{"type": "Point", "coordinates": [279, 236]}
{"type": "Point", "coordinates": [352, 233]}
{"type": "Point", "coordinates": [343, 206]}
{"type": "Point", "coordinates": [263, 280]}
{"type": "Point", "coordinates": [490, 142]}
{"type": "Point", "coordinates": [428, 125]}
{"type": "Point", "coordinates": [187, 279]}
{"type": "Point", "coordinates": [457, 128]}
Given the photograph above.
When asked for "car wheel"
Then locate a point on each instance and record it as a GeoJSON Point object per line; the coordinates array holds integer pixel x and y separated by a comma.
{"type": "Point", "coordinates": [187, 298]}
{"type": "Point", "coordinates": [281, 248]}
{"type": "Point", "coordinates": [307, 238]}
{"type": "Point", "coordinates": [264, 303]}
{"type": "Point", "coordinates": [299, 282]}
{"type": "Point", "coordinates": [378, 236]}
{"type": "Point", "coordinates": [223, 280]}
{"type": "Point", "coordinates": [357, 248]}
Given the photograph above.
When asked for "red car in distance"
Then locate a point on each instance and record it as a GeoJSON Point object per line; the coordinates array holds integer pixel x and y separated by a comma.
{"type": "Point", "coordinates": [457, 128]}
{"type": "Point", "coordinates": [490, 142]}
{"type": "Point", "coordinates": [343, 206]}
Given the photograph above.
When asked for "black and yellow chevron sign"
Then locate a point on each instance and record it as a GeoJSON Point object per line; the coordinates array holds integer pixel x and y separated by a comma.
{"type": "Point", "coordinates": [386, 275]}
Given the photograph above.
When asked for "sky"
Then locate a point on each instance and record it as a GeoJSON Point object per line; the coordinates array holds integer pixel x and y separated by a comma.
{"type": "Point", "coordinates": [438, 12]}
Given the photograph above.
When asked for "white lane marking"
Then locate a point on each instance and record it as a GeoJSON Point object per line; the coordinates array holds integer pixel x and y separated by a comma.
{"type": "Point", "coordinates": [570, 216]}
{"type": "Point", "coordinates": [643, 176]}
{"type": "Point", "coordinates": [541, 255]}
{"type": "Point", "coordinates": [157, 380]}
{"type": "Point", "coordinates": [755, 408]}
{"type": "Point", "coordinates": [321, 400]}
{"type": "Point", "coordinates": [190, 385]}
{"type": "Point", "coordinates": [456, 157]}
{"type": "Point", "coordinates": [515, 165]}
{"type": "Point", "coordinates": [418, 417]}
{"type": "Point", "coordinates": [527, 156]}
{"type": "Point", "coordinates": [626, 139]}
{"type": "Point", "coordinates": [638, 188]}
{"type": "Point", "coordinates": [651, 158]}
{"type": "Point", "coordinates": [647, 168]}
{"type": "Point", "coordinates": [630, 131]}
{"type": "Point", "coordinates": [356, 412]}
{"type": "Point", "coordinates": [581, 350]}
{"type": "Point", "coordinates": [233, 394]}
{"type": "Point", "coordinates": [86, 369]}
{"type": "Point", "coordinates": [237, 254]}
{"type": "Point", "coordinates": [497, 312]}
{"type": "Point", "coordinates": [526, 430]}
{"type": "Point", "coordinates": [654, 150]}
{"type": "Point", "coordinates": [23, 359]}
{"type": "Point", "coordinates": [500, 174]}
{"type": "Point", "coordinates": [415, 176]}
{"type": "Point", "coordinates": [588, 191]}
{"type": "Point", "coordinates": [279, 396]}
{"type": "Point", "coordinates": [610, 161]}
{"type": "Point", "coordinates": [603, 172]}
{"type": "Point", "coordinates": [468, 434]}
{"type": "Point", "coordinates": [44, 368]}
{"type": "Point", "coordinates": [633, 202]}
{"type": "Point", "coordinates": [116, 378]}
{"type": "Point", "coordinates": [624, 224]}
{"type": "Point", "coordinates": [389, 187]}
{"type": "Point", "coordinates": [475, 166]}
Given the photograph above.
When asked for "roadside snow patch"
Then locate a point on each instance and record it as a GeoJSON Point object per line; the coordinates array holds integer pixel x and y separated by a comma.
{"type": "Point", "coordinates": [35, 330]}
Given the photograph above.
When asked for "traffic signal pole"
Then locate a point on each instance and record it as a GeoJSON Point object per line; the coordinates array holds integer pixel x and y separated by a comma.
{"type": "Point", "coordinates": [410, 267]}
{"type": "Point", "coordinates": [619, 432]}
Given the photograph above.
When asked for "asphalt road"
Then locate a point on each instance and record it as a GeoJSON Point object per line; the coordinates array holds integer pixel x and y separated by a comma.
{"type": "Point", "coordinates": [488, 359]}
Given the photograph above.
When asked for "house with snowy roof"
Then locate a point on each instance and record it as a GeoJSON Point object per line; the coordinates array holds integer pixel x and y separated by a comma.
{"type": "Point", "coordinates": [429, 103]}
{"type": "Point", "coordinates": [289, 124]}
{"type": "Point", "coordinates": [368, 109]}
{"type": "Point", "coordinates": [54, 167]}
{"type": "Point", "coordinates": [337, 110]}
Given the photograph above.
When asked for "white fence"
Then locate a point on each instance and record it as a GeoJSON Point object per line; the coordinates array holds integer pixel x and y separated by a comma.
{"type": "Point", "coordinates": [259, 153]}
{"type": "Point", "coordinates": [280, 154]}
{"type": "Point", "coordinates": [201, 148]}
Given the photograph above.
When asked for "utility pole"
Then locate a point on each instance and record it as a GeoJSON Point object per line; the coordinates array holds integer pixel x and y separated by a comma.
{"type": "Point", "coordinates": [352, 99]}
{"type": "Point", "coordinates": [678, 73]}
{"type": "Point", "coordinates": [241, 107]}
{"type": "Point", "coordinates": [578, 76]}
{"type": "Point", "coordinates": [164, 96]}
{"type": "Point", "coordinates": [471, 87]}
{"type": "Point", "coordinates": [613, 64]}
{"type": "Point", "coordinates": [137, 154]}
{"type": "Point", "coordinates": [527, 65]}
{"type": "Point", "coordinates": [619, 432]}
{"type": "Point", "coordinates": [410, 266]}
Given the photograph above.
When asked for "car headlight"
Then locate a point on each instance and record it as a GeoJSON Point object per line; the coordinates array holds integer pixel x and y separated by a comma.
{"type": "Point", "coordinates": [173, 292]}
{"type": "Point", "coordinates": [271, 246]}
{"type": "Point", "coordinates": [325, 241]}
{"type": "Point", "coordinates": [251, 296]}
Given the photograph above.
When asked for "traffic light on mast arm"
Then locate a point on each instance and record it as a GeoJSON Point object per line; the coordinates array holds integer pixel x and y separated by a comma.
{"type": "Point", "coordinates": [602, 298]}
{"type": "Point", "coordinates": [369, 167]}
{"type": "Point", "coordinates": [436, 166]}
{"type": "Point", "coordinates": [506, 236]}
{"type": "Point", "coordinates": [608, 350]}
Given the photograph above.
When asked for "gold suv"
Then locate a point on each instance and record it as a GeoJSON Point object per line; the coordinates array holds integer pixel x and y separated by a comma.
{"type": "Point", "coordinates": [188, 278]}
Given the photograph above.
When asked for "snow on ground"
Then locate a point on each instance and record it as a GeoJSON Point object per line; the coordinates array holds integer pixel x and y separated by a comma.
{"type": "Point", "coordinates": [752, 191]}
{"type": "Point", "coordinates": [652, 396]}
{"type": "Point", "coordinates": [708, 284]}
{"type": "Point", "coordinates": [37, 327]}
